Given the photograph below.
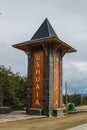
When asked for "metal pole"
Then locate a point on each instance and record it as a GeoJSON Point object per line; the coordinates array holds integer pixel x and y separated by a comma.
{"type": "Point", "coordinates": [81, 98]}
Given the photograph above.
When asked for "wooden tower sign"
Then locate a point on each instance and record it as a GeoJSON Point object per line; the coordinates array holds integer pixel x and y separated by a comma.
{"type": "Point", "coordinates": [56, 81]}
{"type": "Point", "coordinates": [37, 87]}
{"type": "Point", "coordinates": [45, 52]}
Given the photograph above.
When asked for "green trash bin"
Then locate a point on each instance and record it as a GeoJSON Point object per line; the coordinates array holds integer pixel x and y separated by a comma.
{"type": "Point", "coordinates": [71, 107]}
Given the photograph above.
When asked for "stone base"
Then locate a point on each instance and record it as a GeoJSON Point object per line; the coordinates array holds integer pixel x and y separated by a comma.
{"type": "Point", "coordinates": [57, 112]}
{"type": "Point", "coordinates": [34, 111]}
{"type": "Point", "coordinates": [44, 112]}
{"type": "Point", "coordinates": [39, 112]}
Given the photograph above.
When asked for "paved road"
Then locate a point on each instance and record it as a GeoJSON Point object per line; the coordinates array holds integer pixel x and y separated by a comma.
{"type": "Point", "coordinates": [80, 127]}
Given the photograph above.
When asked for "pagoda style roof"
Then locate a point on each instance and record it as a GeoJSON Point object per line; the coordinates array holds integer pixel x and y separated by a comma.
{"type": "Point", "coordinates": [44, 31]}
{"type": "Point", "coordinates": [45, 35]}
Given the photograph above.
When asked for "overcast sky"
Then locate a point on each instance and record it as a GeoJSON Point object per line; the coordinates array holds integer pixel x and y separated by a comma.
{"type": "Point", "coordinates": [21, 18]}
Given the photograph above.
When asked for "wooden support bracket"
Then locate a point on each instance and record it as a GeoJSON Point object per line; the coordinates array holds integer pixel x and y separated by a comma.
{"type": "Point", "coordinates": [64, 52]}
{"type": "Point", "coordinates": [28, 53]}
{"type": "Point", "coordinates": [45, 49]}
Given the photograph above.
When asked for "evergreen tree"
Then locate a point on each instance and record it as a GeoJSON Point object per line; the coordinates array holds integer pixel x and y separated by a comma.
{"type": "Point", "coordinates": [13, 88]}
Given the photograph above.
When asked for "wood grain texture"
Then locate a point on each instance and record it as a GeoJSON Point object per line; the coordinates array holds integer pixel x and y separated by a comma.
{"type": "Point", "coordinates": [56, 81]}
{"type": "Point", "coordinates": [37, 88]}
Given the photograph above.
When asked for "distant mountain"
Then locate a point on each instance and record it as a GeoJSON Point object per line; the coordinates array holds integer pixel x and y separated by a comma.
{"type": "Point", "coordinates": [84, 95]}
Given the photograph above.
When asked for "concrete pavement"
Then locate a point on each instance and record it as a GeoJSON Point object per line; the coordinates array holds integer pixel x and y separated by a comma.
{"type": "Point", "coordinates": [80, 127]}
{"type": "Point", "coordinates": [17, 115]}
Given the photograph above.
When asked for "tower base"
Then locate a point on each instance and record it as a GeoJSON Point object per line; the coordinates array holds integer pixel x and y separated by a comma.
{"type": "Point", "coordinates": [39, 112]}
{"type": "Point", "coordinates": [57, 112]}
{"type": "Point", "coordinates": [34, 111]}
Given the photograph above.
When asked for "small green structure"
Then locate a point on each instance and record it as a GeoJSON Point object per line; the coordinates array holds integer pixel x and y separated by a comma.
{"type": "Point", "coordinates": [71, 106]}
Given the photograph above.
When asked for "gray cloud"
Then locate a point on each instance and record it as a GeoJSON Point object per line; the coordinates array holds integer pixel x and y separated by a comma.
{"type": "Point", "coordinates": [76, 79]}
{"type": "Point", "coordinates": [14, 58]}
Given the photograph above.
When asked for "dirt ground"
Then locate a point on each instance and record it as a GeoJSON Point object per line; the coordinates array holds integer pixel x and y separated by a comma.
{"type": "Point", "coordinates": [45, 123]}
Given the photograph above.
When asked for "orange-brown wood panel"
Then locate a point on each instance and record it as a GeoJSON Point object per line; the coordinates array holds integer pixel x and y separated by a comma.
{"type": "Point", "coordinates": [59, 84]}
{"type": "Point", "coordinates": [37, 88]}
{"type": "Point", "coordinates": [56, 103]}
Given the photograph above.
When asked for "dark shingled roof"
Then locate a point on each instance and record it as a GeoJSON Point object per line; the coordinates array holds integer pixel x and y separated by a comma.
{"type": "Point", "coordinates": [44, 31]}
{"type": "Point", "coordinates": [45, 35]}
